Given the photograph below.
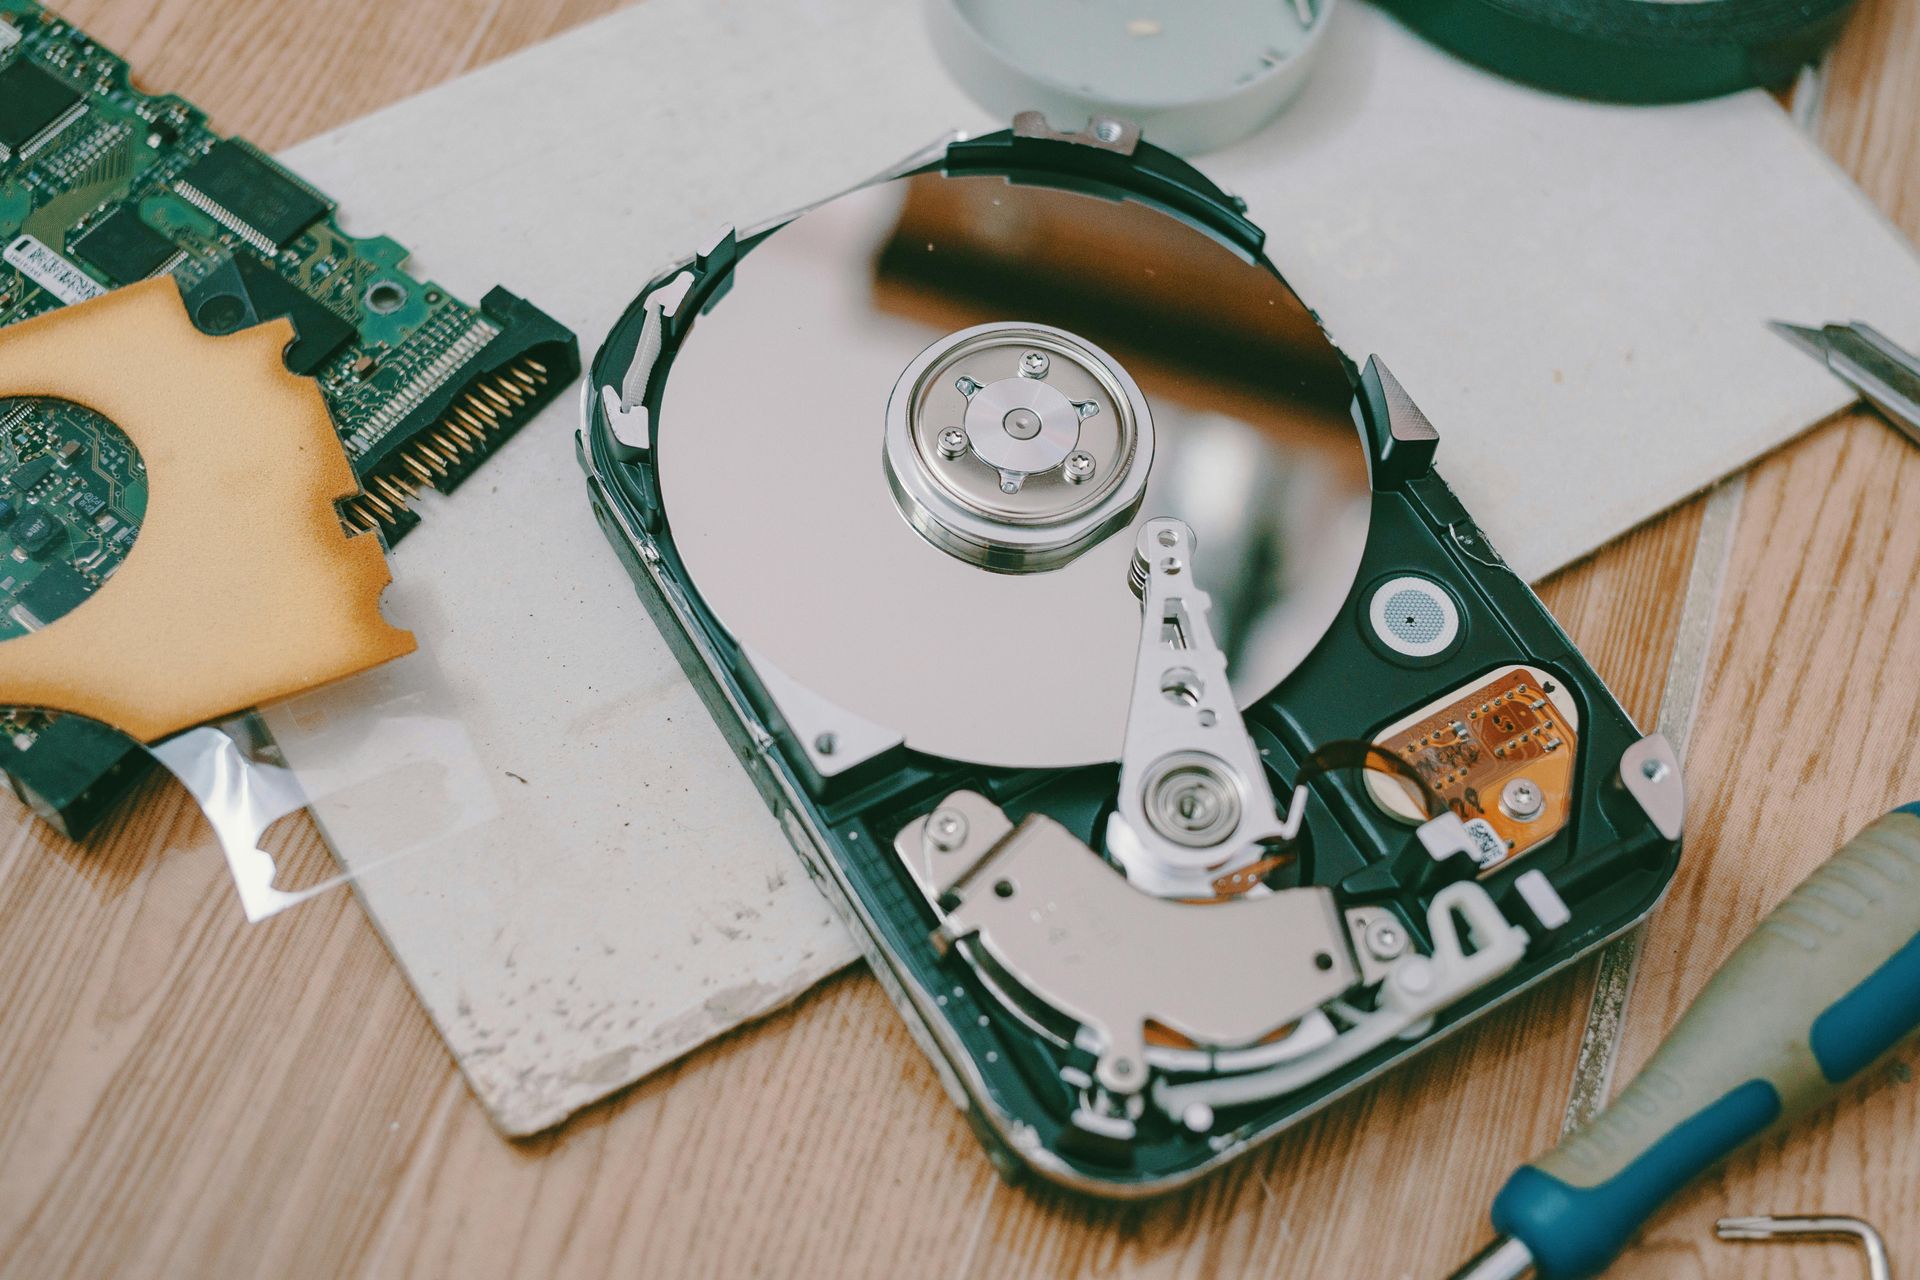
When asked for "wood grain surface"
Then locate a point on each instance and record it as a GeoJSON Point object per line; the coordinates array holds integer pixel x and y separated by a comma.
{"type": "Point", "coordinates": [183, 1095]}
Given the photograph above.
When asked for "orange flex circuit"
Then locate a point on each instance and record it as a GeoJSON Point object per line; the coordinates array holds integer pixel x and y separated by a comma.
{"type": "Point", "coordinates": [1501, 753]}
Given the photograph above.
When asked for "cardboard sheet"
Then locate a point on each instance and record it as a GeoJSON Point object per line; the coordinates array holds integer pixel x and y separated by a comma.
{"type": "Point", "coordinates": [1574, 289]}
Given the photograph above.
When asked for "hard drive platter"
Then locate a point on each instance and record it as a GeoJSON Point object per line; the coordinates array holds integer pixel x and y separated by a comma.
{"type": "Point", "coordinates": [1109, 647]}
{"type": "Point", "coordinates": [875, 306]}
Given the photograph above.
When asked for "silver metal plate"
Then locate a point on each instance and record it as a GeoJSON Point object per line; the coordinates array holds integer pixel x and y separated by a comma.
{"type": "Point", "coordinates": [1070, 929]}
{"type": "Point", "coordinates": [770, 453]}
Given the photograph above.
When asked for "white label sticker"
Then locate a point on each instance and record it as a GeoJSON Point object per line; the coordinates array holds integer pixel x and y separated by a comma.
{"type": "Point", "coordinates": [1488, 848]}
{"type": "Point", "coordinates": [51, 271]}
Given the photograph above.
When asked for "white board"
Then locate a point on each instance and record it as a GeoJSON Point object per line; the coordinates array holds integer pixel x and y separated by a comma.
{"type": "Point", "coordinates": [1574, 289]}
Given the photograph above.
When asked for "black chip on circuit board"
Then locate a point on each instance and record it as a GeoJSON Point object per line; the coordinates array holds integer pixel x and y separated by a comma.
{"type": "Point", "coordinates": [123, 247]}
{"type": "Point", "coordinates": [38, 532]}
{"type": "Point", "coordinates": [242, 190]}
{"type": "Point", "coordinates": [33, 471]}
{"type": "Point", "coordinates": [51, 596]}
{"type": "Point", "coordinates": [33, 107]}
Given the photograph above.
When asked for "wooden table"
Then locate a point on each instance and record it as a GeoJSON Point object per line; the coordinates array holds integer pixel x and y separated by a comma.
{"type": "Point", "coordinates": [183, 1095]}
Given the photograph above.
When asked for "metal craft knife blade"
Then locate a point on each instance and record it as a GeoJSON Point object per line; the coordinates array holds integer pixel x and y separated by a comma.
{"type": "Point", "coordinates": [1886, 376]}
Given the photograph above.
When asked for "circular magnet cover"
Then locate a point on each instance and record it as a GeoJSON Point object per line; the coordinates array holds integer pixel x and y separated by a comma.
{"type": "Point", "coordinates": [1193, 74]}
{"type": "Point", "coordinates": [771, 449]}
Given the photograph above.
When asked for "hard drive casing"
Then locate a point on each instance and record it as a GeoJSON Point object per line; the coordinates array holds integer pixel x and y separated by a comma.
{"type": "Point", "coordinates": [1610, 865]}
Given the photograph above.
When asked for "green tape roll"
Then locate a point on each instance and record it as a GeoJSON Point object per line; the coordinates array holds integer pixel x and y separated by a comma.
{"type": "Point", "coordinates": [1632, 50]}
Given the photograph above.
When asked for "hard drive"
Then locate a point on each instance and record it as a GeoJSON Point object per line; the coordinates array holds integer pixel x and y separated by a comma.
{"type": "Point", "coordinates": [1109, 647]}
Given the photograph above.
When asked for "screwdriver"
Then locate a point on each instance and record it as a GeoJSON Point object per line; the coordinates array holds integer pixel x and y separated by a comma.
{"type": "Point", "coordinates": [1822, 987]}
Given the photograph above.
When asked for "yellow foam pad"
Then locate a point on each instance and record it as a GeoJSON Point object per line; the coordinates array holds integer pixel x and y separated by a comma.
{"type": "Point", "coordinates": [242, 586]}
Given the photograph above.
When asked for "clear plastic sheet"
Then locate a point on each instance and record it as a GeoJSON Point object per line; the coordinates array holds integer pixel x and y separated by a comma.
{"type": "Point", "coordinates": [388, 741]}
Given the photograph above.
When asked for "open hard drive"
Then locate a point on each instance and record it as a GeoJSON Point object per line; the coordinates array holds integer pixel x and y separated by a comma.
{"type": "Point", "coordinates": [1109, 647]}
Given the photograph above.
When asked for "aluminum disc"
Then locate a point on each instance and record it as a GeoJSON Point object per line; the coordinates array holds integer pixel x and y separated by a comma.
{"type": "Point", "coordinates": [770, 439]}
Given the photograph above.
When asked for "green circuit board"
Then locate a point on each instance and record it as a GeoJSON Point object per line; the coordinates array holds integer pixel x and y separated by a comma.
{"type": "Point", "coordinates": [103, 185]}
{"type": "Point", "coordinates": [78, 490]}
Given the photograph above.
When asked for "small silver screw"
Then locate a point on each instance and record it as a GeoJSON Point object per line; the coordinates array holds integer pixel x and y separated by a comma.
{"type": "Point", "coordinates": [825, 744]}
{"type": "Point", "coordinates": [953, 442]}
{"type": "Point", "coordinates": [966, 386]}
{"type": "Point", "coordinates": [1079, 467]}
{"type": "Point", "coordinates": [1034, 364]}
{"type": "Point", "coordinates": [1385, 940]}
{"type": "Point", "coordinates": [947, 829]}
{"type": "Point", "coordinates": [1107, 131]}
{"type": "Point", "coordinates": [1522, 800]}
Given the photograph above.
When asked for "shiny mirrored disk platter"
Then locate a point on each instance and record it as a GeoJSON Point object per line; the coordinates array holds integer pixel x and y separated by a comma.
{"type": "Point", "coordinates": [770, 452]}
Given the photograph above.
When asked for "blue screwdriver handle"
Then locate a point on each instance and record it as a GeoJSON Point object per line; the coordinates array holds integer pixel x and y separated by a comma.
{"type": "Point", "coordinates": [1826, 984]}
